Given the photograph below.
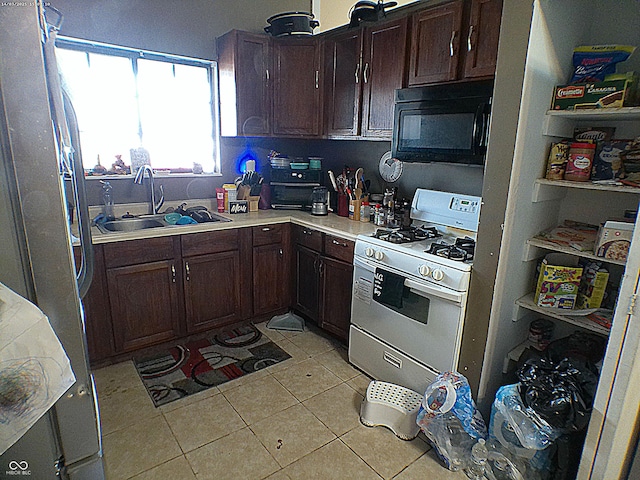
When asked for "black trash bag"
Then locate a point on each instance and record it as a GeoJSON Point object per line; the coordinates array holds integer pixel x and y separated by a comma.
{"type": "Point", "coordinates": [583, 346]}
{"type": "Point", "coordinates": [561, 393]}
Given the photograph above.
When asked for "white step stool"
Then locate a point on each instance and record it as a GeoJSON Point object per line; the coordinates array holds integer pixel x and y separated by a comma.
{"type": "Point", "coordinates": [391, 406]}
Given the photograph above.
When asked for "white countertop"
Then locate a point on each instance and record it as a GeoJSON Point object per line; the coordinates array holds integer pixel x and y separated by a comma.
{"type": "Point", "coordinates": [332, 224]}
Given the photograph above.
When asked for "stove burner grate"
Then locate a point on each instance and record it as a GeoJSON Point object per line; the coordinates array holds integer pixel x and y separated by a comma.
{"type": "Point", "coordinates": [411, 234]}
{"type": "Point", "coordinates": [462, 250]}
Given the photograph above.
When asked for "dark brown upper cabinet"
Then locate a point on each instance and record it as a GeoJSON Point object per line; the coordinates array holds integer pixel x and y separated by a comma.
{"type": "Point", "coordinates": [296, 87]}
{"type": "Point", "coordinates": [445, 46]}
{"type": "Point", "coordinates": [385, 49]}
{"type": "Point", "coordinates": [363, 69]}
{"type": "Point", "coordinates": [435, 44]}
{"type": "Point", "coordinates": [482, 38]}
{"type": "Point", "coordinates": [343, 91]}
{"type": "Point", "coordinates": [245, 97]}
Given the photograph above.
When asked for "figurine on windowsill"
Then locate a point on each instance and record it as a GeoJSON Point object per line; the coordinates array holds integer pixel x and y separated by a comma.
{"type": "Point", "coordinates": [99, 169]}
{"type": "Point", "coordinates": [119, 168]}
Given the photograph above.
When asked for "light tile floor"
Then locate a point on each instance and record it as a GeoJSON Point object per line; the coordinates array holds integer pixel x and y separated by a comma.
{"type": "Point", "coordinates": [298, 419]}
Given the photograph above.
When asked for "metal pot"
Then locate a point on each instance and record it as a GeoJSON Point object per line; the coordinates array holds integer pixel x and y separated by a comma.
{"type": "Point", "coordinates": [291, 23]}
{"type": "Point", "coordinates": [368, 11]}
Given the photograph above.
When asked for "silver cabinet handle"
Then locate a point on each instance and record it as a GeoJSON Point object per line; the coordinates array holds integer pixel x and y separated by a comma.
{"type": "Point", "coordinates": [187, 271]}
{"type": "Point", "coordinates": [266, 229]}
{"type": "Point", "coordinates": [469, 47]}
{"type": "Point", "coordinates": [307, 232]}
{"type": "Point", "coordinates": [453, 36]}
{"type": "Point", "coordinates": [357, 73]}
{"type": "Point", "coordinates": [173, 273]}
{"type": "Point", "coordinates": [335, 242]}
{"type": "Point", "coordinates": [280, 252]}
{"type": "Point", "coordinates": [267, 74]}
{"type": "Point", "coordinates": [365, 73]}
{"type": "Point", "coordinates": [317, 77]}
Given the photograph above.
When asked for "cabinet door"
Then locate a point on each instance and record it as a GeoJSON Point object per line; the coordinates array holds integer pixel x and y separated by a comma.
{"type": "Point", "coordinates": [482, 38]}
{"type": "Point", "coordinates": [383, 72]}
{"type": "Point", "coordinates": [336, 278]}
{"type": "Point", "coordinates": [307, 281]}
{"type": "Point", "coordinates": [270, 279]}
{"type": "Point", "coordinates": [145, 304]}
{"type": "Point", "coordinates": [342, 61]}
{"type": "Point", "coordinates": [244, 84]}
{"type": "Point", "coordinates": [97, 312]}
{"type": "Point", "coordinates": [435, 44]}
{"type": "Point", "coordinates": [212, 290]}
{"type": "Point", "coordinates": [296, 87]}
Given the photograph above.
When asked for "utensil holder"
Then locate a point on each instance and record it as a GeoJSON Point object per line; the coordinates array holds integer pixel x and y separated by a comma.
{"type": "Point", "coordinates": [343, 206]}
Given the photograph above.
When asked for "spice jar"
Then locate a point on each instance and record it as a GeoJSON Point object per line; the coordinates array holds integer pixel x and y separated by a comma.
{"type": "Point", "coordinates": [364, 212]}
{"type": "Point", "coordinates": [580, 162]}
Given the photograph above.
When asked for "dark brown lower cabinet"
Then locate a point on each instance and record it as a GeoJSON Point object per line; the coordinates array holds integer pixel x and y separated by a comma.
{"type": "Point", "coordinates": [212, 290]}
{"type": "Point", "coordinates": [97, 313]}
{"type": "Point", "coordinates": [323, 276]}
{"type": "Point", "coordinates": [271, 262]}
{"type": "Point", "coordinates": [307, 282]}
{"type": "Point", "coordinates": [335, 307]}
{"type": "Point", "coordinates": [145, 304]}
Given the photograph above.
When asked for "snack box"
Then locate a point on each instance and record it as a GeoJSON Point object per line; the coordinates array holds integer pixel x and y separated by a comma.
{"type": "Point", "coordinates": [592, 285]}
{"type": "Point", "coordinates": [581, 236]}
{"type": "Point", "coordinates": [607, 94]}
{"type": "Point", "coordinates": [614, 239]}
{"type": "Point", "coordinates": [558, 281]}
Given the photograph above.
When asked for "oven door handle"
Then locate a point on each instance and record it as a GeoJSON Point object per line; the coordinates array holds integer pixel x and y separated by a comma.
{"type": "Point", "coordinates": [426, 290]}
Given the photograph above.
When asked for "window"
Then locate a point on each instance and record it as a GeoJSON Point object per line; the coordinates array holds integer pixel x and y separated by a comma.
{"type": "Point", "coordinates": [126, 99]}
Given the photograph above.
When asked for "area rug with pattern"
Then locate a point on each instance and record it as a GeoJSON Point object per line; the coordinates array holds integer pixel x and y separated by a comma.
{"type": "Point", "coordinates": [195, 366]}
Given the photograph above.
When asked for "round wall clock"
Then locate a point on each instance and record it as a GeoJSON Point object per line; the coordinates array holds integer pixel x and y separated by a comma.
{"type": "Point", "coordinates": [390, 168]}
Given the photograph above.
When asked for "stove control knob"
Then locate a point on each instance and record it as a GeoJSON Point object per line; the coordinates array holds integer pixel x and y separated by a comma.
{"type": "Point", "coordinates": [379, 255]}
{"type": "Point", "coordinates": [369, 251]}
{"type": "Point", "coordinates": [437, 275]}
{"type": "Point", "coordinates": [424, 270]}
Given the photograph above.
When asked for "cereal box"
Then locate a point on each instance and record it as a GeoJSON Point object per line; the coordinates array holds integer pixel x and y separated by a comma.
{"type": "Point", "coordinates": [558, 281]}
{"type": "Point", "coordinates": [614, 239]}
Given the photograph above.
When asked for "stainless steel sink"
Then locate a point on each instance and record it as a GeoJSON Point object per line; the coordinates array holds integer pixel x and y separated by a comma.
{"type": "Point", "coordinates": [130, 224]}
{"type": "Point", "coordinates": [144, 222]}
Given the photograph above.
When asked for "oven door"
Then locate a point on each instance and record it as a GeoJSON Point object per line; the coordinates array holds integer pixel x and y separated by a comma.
{"type": "Point", "coordinates": [428, 325]}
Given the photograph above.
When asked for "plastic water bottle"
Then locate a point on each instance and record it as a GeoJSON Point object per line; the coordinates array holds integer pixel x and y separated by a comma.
{"type": "Point", "coordinates": [479, 454]}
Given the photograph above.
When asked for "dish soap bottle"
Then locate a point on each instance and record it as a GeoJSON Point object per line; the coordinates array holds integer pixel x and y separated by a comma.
{"type": "Point", "coordinates": [107, 198]}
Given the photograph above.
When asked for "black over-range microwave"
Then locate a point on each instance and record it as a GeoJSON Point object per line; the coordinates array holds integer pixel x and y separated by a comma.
{"type": "Point", "coordinates": [442, 123]}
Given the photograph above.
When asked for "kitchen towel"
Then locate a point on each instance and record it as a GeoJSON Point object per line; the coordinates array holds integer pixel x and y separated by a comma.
{"type": "Point", "coordinates": [388, 288]}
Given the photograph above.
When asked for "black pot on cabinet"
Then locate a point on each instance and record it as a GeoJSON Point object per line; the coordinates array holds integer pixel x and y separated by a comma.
{"type": "Point", "coordinates": [368, 11]}
{"type": "Point", "coordinates": [291, 23]}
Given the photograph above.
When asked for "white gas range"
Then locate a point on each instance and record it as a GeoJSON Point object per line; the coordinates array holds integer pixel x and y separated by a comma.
{"type": "Point", "coordinates": [409, 298]}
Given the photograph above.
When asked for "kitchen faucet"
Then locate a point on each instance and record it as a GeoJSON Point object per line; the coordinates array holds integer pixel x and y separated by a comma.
{"type": "Point", "coordinates": [153, 208]}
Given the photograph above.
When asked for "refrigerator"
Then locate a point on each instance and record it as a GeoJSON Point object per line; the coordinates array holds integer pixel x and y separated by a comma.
{"type": "Point", "coordinates": [38, 147]}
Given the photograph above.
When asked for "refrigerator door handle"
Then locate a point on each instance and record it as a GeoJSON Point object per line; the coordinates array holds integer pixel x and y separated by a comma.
{"type": "Point", "coordinates": [69, 145]}
{"type": "Point", "coordinates": [85, 275]}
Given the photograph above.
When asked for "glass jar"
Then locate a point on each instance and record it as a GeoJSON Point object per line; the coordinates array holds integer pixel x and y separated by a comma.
{"type": "Point", "coordinates": [364, 211]}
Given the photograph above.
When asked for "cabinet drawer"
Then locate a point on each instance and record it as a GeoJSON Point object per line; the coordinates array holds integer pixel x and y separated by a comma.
{"type": "Point", "coordinates": [339, 248]}
{"type": "Point", "coordinates": [210, 242]}
{"type": "Point", "coordinates": [133, 252]}
{"type": "Point", "coordinates": [267, 234]}
{"type": "Point", "coordinates": [308, 237]}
